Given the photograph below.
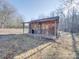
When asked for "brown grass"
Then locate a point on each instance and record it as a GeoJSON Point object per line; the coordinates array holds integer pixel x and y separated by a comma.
{"type": "Point", "coordinates": [24, 47]}
{"type": "Point", "coordinates": [4, 31]}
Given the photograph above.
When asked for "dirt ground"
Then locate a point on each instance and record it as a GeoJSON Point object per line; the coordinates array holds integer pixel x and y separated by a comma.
{"type": "Point", "coordinates": [22, 46]}
{"type": "Point", "coordinates": [12, 31]}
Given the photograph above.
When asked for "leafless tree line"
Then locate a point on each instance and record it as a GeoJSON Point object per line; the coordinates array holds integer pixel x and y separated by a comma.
{"type": "Point", "coordinates": [9, 17]}
{"type": "Point", "coordinates": [69, 16]}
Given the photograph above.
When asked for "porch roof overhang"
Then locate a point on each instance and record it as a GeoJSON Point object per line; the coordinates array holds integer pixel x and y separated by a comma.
{"type": "Point", "coordinates": [44, 20]}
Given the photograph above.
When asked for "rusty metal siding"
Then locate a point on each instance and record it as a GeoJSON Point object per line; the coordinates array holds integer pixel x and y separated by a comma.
{"type": "Point", "coordinates": [47, 28]}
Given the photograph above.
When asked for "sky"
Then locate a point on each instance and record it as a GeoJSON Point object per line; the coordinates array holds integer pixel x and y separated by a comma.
{"type": "Point", "coordinates": [32, 9]}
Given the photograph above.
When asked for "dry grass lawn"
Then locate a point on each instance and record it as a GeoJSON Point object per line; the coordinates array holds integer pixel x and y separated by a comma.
{"type": "Point", "coordinates": [12, 31]}
{"type": "Point", "coordinates": [19, 46]}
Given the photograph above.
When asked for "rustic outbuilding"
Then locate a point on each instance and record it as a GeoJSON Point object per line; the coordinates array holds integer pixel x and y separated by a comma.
{"type": "Point", "coordinates": [45, 26]}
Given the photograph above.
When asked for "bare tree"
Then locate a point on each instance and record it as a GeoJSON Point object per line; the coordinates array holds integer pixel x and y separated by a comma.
{"type": "Point", "coordinates": [8, 14]}
{"type": "Point", "coordinates": [68, 15]}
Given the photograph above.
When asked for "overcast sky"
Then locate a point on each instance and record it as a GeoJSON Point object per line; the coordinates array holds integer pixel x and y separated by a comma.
{"type": "Point", "coordinates": [32, 9]}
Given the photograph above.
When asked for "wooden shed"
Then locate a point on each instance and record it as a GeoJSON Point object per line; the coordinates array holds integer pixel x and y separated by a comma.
{"type": "Point", "coordinates": [45, 26]}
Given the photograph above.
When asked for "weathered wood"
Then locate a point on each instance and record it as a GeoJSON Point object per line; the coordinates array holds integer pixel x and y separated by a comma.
{"type": "Point", "coordinates": [46, 26]}
{"type": "Point", "coordinates": [23, 27]}
{"type": "Point", "coordinates": [42, 36]}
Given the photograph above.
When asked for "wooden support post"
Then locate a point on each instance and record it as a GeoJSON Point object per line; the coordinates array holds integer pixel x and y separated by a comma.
{"type": "Point", "coordinates": [40, 28]}
{"type": "Point", "coordinates": [30, 28]}
{"type": "Point", "coordinates": [55, 28]}
{"type": "Point", "coordinates": [23, 27]}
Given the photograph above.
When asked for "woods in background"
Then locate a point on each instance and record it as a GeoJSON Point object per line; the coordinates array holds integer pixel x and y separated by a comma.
{"type": "Point", "coordinates": [9, 18]}
{"type": "Point", "coordinates": [69, 15]}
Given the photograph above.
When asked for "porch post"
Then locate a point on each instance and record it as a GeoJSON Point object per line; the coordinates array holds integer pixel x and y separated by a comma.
{"type": "Point", "coordinates": [55, 28]}
{"type": "Point", "coordinates": [23, 27]}
{"type": "Point", "coordinates": [30, 29]}
{"type": "Point", "coordinates": [40, 28]}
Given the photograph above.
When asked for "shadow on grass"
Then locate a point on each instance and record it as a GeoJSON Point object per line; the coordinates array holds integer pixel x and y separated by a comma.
{"type": "Point", "coordinates": [74, 46]}
{"type": "Point", "coordinates": [25, 41]}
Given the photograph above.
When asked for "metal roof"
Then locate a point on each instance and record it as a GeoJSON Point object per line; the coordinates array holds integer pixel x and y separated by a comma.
{"type": "Point", "coordinates": [46, 19]}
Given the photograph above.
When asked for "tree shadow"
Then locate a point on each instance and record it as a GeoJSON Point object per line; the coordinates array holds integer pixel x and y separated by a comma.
{"type": "Point", "coordinates": [22, 37]}
{"type": "Point", "coordinates": [74, 46]}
